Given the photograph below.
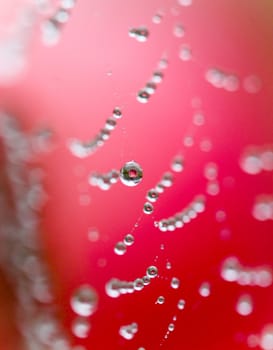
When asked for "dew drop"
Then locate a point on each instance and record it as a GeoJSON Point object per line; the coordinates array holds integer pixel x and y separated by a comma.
{"type": "Point", "coordinates": [160, 300]}
{"type": "Point", "coordinates": [204, 289]}
{"type": "Point", "coordinates": [152, 271]}
{"type": "Point", "coordinates": [143, 96]}
{"type": "Point", "coordinates": [157, 18]}
{"type": "Point", "coordinates": [244, 306]}
{"type": "Point", "coordinates": [181, 304]}
{"type": "Point", "coordinates": [150, 88]}
{"type": "Point", "coordinates": [81, 327]}
{"type": "Point", "coordinates": [117, 114]}
{"type": "Point", "coordinates": [177, 164]}
{"type": "Point", "coordinates": [68, 4]}
{"type": "Point", "coordinates": [84, 301]}
{"type": "Point", "coordinates": [120, 248]}
{"type": "Point", "coordinates": [185, 53]}
{"type": "Point", "coordinates": [171, 327]}
{"type": "Point", "coordinates": [152, 195]}
{"type": "Point", "coordinates": [178, 31]}
{"type": "Point", "coordinates": [252, 84]}
{"type": "Point", "coordinates": [131, 174]}
{"type": "Point", "coordinates": [175, 283]}
{"type": "Point", "coordinates": [110, 124]}
{"type": "Point", "coordinates": [168, 265]}
{"type": "Point", "coordinates": [157, 77]}
{"type": "Point", "coordinates": [185, 2]}
{"type": "Point", "coordinates": [138, 284]}
{"type": "Point", "coordinates": [148, 208]}
{"type": "Point", "coordinates": [167, 180]}
{"type": "Point", "coordinates": [140, 34]}
{"type": "Point", "coordinates": [128, 332]}
{"type": "Point", "coordinates": [50, 32]}
{"type": "Point", "coordinates": [146, 280]}
{"type": "Point", "coordinates": [266, 339]}
{"type": "Point", "coordinates": [129, 239]}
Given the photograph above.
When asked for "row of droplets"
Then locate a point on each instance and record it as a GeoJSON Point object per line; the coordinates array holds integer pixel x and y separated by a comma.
{"type": "Point", "coordinates": [83, 149]}
{"type": "Point", "coordinates": [233, 271]}
{"type": "Point", "coordinates": [218, 78]}
{"type": "Point", "coordinates": [179, 219]}
{"type": "Point", "coordinates": [115, 287]}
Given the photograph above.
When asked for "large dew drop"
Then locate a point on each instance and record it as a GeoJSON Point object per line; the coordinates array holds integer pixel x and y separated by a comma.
{"type": "Point", "coordinates": [131, 174]}
{"type": "Point", "coordinates": [84, 301]}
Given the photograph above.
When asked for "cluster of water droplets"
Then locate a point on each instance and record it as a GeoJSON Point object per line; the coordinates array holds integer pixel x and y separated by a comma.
{"type": "Point", "coordinates": [128, 331]}
{"type": "Point", "coordinates": [220, 79]}
{"type": "Point", "coordinates": [51, 27]}
{"type": "Point", "coordinates": [115, 287]}
{"type": "Point", "coordinates": [104, 181]}
{"type": "Point", "coordinates": [183, 217]}
{"type": "Point", "coordinates": [233, 271]}
{"type": "Point", "coordinates": [150, 88]}
{"type": "Point", "coordinates": [83, 149]}
{"type": "Point", "coordinates": [211, 175]}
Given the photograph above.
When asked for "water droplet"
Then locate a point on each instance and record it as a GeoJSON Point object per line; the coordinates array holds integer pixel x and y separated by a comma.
{"type": "Point", "coordinates": [160, 300]}
{"type": "Point", "coordinates": [140, 34]}
{"type": "Point", "coordinates": [152, 195]}
{"type": "Point", "coordinates": [198, 119]}
{"type": "Point", "coordinates": [129, 239]}
{"type": "Point", "coordinates": [215, 77]}
{"type": "Point", "coordinates": [213, 188]}
{"type": "Point", "coordinates": [252, 84]}
{"type": "Point", "coordinates": [188, 141]}
{"type": "Point", "coordinates": [181, 304]}
{"type": "Point", "coordinates": [251, 163]}
{"type": "Point", "coordinates": [50, 32]}
{"type": "Point", "coordinates": [163, 63]}
{"type": "Point", "coordinates": [148, 208]}
{"type": "Point", "coordinates": [150, 88]}
{"type": "Point", "coordinates": [220, 215]}
{"type": "Point", "coordinates": [120, 248]}
{"type": "Point", "coordinates": [112, 288]}
{"type": "Point", "coordinates": [81, 327]}
{"type": "Point", "coordinates": [204, 289]}
{"type": "Point", "coordinates": [117, 113]}
{"type": "Point", "coordinates": [84, 301]}
{"type": "Point", "coordinates": [206, 145]}
{"type": "Point", "coordinates": [171, 327]}
{"type": "Point", "coordinates": [93, 234]}
{"type": "Point", "coordinates": [167, 180]}
{"type": "Point", "coordinates": [244, 305]}
{"type": "Point", "coordinates": [138, 284]}
{"type": "Point", "coordinates": [266, 338]}
{"type": "Point", "coordinates": [157, 18]}
{"type": "Point", "coordinates": [143, 96]}
{"type": "Point", "coordinates": [157, 77]}
{"type": "Point", "coordinates": [146, 280]}
{"type": "Point", "coordinates": [168, 265]}
{"type": "Point", "coordinates": [231, 83]}
{"type": "Point", "coordinates": [178, 31]}
{"type": "Point", "coordinates": [185, 53]}
{"type": "Point", "coordinates": [128, 332]}
{"type": "Point", "coordinates": [61, 16]}
{"type": "Point", "coordinates": [110, 124]}
{"type": "Point", "coordinates": [211, 171]}
{"type": "Point", "coordinates": [175, 283]}
{"type": "Point", "coordinates": [131, 174]}
{"type": "Point", "coordinates": [152, 271]}
{"type": "Point", "coordinates": [177, 164]}
{"type": "Point", "coordinates": [263, 208]}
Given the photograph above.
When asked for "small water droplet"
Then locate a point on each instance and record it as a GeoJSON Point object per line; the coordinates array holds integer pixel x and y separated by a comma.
{"type": "Point", "coordinates": [157, 77]}
{"type": "Point", "coordinates": [84, 301]}
{"type": "Point", "coordinates": [160, 300]}
{"type": "Point", "coordinates": [178, 31]}
{"type": "Point", "coordinates": [143, 96]}
{"type": "Point", "coordinates": [128, 332]}
{"type": "Point", "coordinates": [131, 174]}
{"type": "Point", "coordinates": [140, 34]}
{"type": "Point", "coordinates": [185, 53]}
{"type": "Point", "coordinates": [117, 113]}
{"type": "Point", "coordinates": [181, 304]}
{"type": "Point", "coordinates": [177, 164]}
{"type": "Point", "coordinates": [138, 284]}
{"type": "Point", "coordinates": [204, 289]}
{"type": "Point", "coordinates": [81, 327]}
{"type": "Point", "coordinates": [152, 195]}
{"type": "Point", "coordinates": [50, 32]}
{"type": "Point", "coordinates": [129, 239]}
{"type": "Point", "coordinates": [152, 271]}
{"type": "Point", "coordinates": [120, 248]}
{"type": "Point", "coordinates": [175, 283]}
{"type": "Point", "coordinates": [148, 208]}
{"type": "Point", "coordinates": [171, 327]}
{"type": "Point", "coordinates": [244, 305]}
